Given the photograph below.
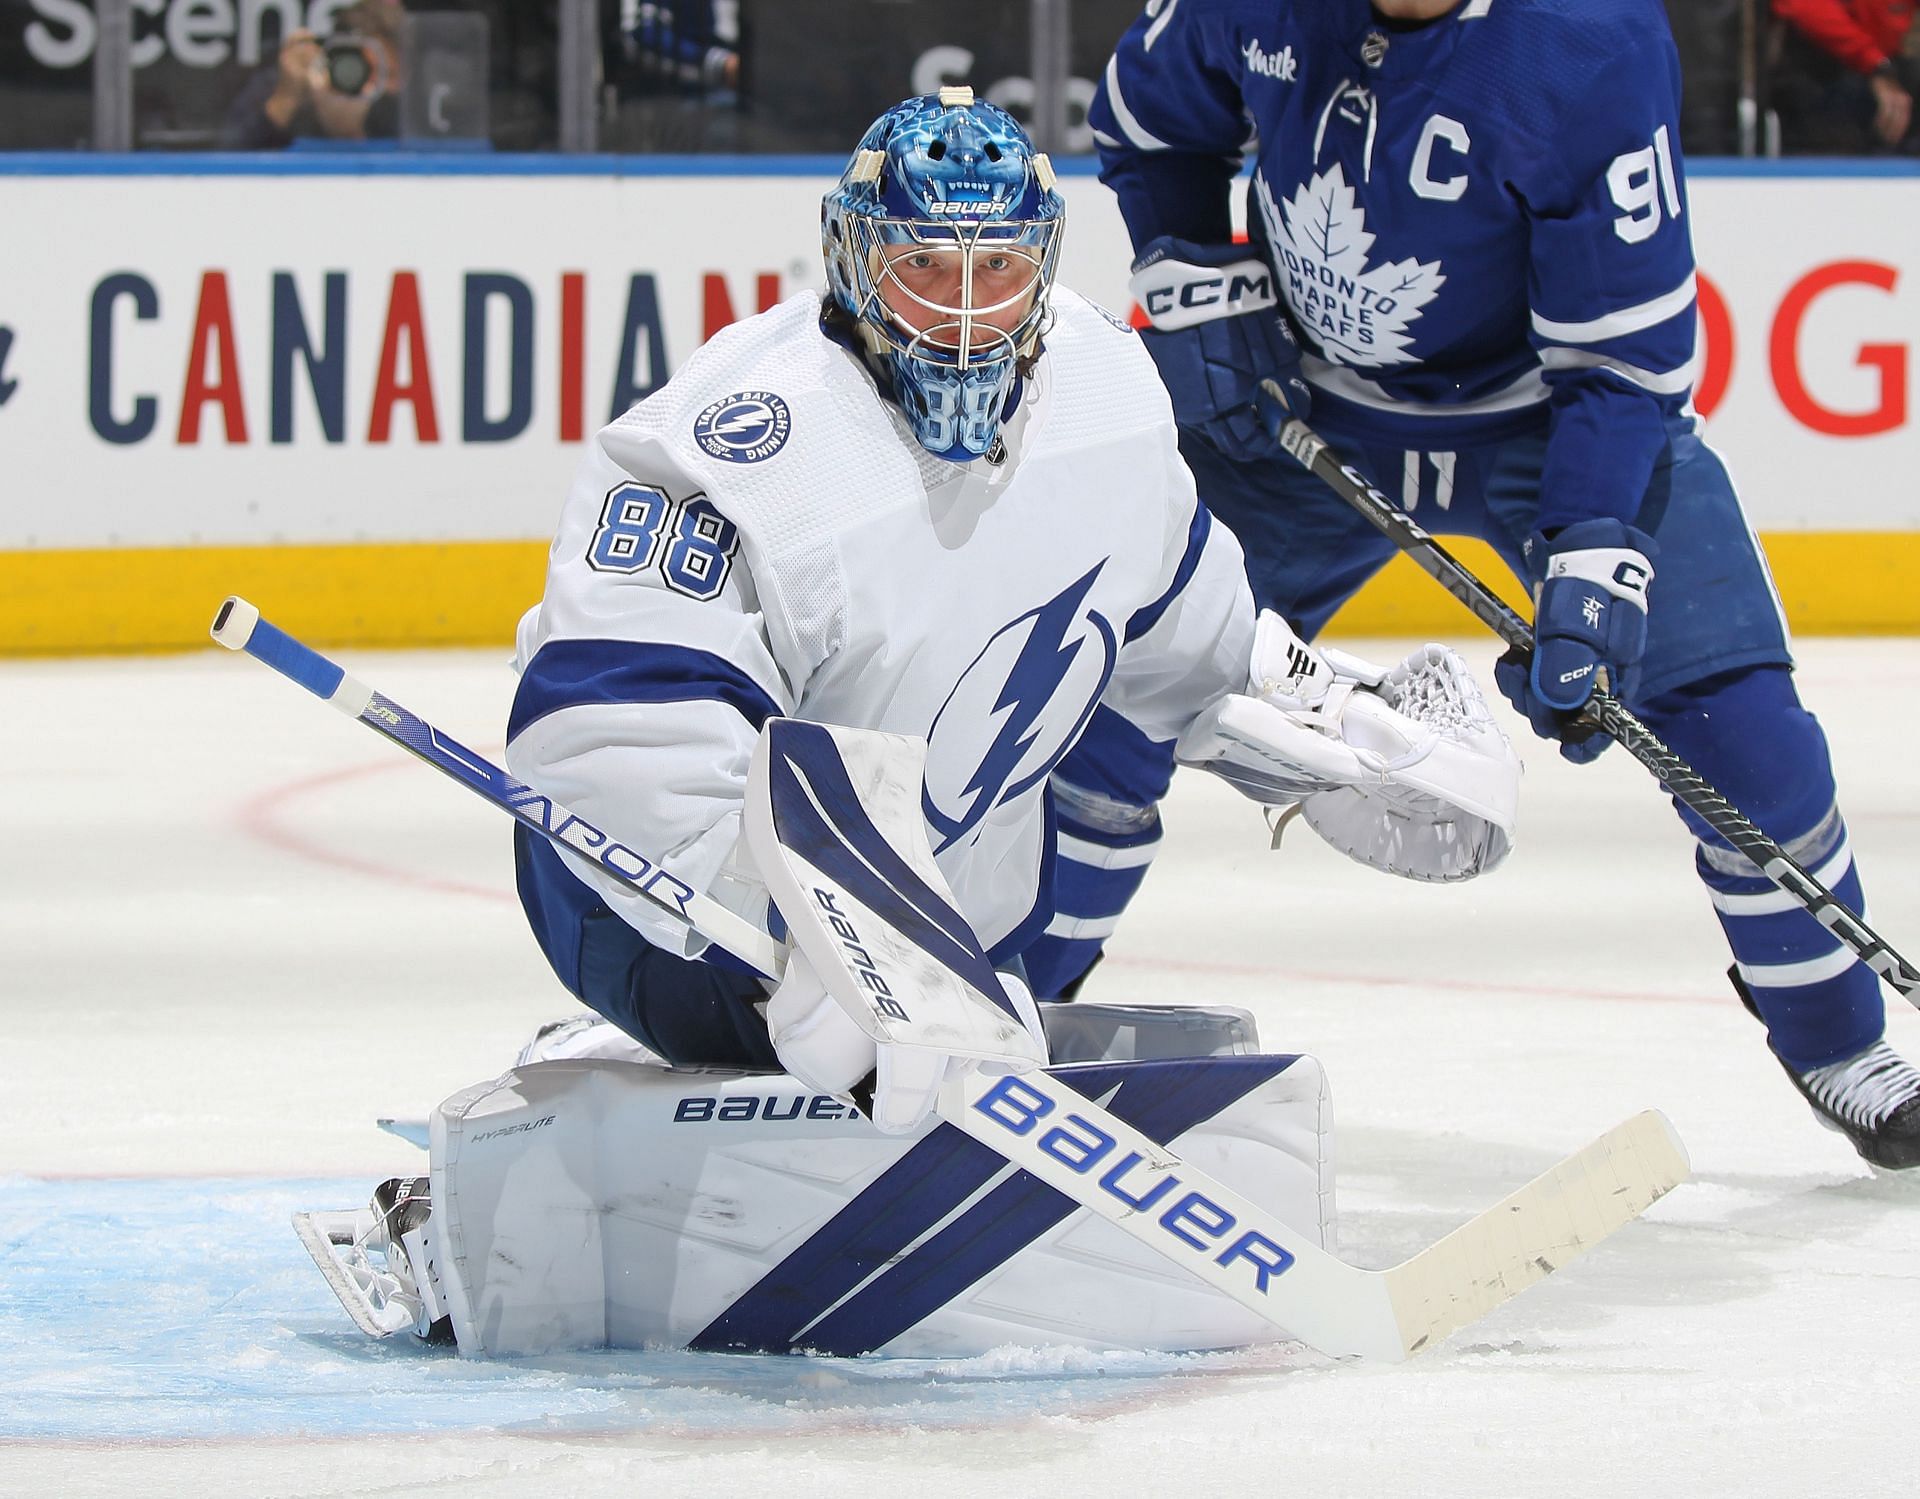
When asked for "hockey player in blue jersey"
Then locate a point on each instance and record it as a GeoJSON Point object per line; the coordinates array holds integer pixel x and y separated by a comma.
{"type": "Point", "coordinates": [1475, 215]}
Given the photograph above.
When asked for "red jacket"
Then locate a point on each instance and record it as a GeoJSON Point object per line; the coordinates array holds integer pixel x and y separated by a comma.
{"type": "Point", "coordinates": [1861, 33]}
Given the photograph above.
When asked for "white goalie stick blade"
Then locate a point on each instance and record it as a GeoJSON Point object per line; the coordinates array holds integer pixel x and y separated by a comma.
{"type": "Point", "coordinates": [834, 825]}
{"type": "Point", "coordinates": [335, 1240]}
{"type": "Point", "coordinates": [1529, 1234]}
{"type": "Point", "coordinates": [1113, 1169]}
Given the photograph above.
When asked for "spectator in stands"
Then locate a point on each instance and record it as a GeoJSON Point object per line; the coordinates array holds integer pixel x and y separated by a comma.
{"type": "Point", "coordinates": [691, 46]}
{"type": "Point", "coordinates": [675, 71]}
{"type": "Point", "coordinates": [1841, 83]}
{"type": "Point", "coordinates": [344, 87]}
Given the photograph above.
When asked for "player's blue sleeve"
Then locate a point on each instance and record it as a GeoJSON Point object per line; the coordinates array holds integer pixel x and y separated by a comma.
{"type": "Point", "coordinates": [1169, 124]}
{"type": "Point", "coordinates": [1611, 285]}
{"type": "Point", "coordinates": [645, 675]}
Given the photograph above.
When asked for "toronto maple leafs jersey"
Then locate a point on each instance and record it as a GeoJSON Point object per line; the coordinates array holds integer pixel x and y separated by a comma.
{"type": "Point", "coordinates": [1479, 223]}
{"type": "Point", "coordinates": [764, 536]}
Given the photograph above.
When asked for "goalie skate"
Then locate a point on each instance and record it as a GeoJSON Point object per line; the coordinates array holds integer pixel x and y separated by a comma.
{"type": "Point", "coordinates": [379, 1261]}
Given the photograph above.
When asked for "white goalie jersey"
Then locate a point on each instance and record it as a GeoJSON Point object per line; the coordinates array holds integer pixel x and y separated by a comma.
{"type": "Point", "coordinates": [764, 536]}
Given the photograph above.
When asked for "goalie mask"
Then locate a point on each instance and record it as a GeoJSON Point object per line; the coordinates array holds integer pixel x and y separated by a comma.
{"type": "Point", "coordinates": [941, 240]}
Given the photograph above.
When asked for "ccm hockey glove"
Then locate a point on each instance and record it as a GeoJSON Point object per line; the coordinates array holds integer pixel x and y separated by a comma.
{"type": "Point", "coordinates": [1589, 628]}
{"type": "Point", "coordinates": [1217, 330]}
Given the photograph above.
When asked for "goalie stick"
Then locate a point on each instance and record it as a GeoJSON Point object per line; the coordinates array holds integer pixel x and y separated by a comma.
{"type": "Point", "coordinates": [1038, 1122]}
{"type": "Point", "coordinates": [1603, 711]}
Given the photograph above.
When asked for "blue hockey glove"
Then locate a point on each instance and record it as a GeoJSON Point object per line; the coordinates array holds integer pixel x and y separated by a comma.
{"type": "Point", "coordinates": [1217, 331]}
{"type": "Point", "coordinates": [1589, 628]}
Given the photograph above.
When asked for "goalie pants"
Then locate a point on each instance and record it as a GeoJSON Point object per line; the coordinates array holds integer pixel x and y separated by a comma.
{"type": "Point", "coordinates": [1716, 684]}
{"type": "Point", "coordinates": [688, 1013]}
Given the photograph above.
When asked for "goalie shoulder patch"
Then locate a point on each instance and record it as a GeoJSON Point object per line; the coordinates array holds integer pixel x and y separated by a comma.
{"type": "Point", "coordinates": [749, 426]}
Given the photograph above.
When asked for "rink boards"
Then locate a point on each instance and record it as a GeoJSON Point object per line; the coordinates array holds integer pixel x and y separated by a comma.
{"type": "Point", "coordinates": [356, 388]}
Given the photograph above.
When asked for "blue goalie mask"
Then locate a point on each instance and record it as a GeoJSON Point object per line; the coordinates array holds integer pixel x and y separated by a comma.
{"type": "Point", "coordinates": [941, 240]}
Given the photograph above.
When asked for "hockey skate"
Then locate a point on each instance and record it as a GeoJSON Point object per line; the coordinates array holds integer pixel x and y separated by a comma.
{"type": "Point", "coordinates": [1872, 1098]}
{"type": "Point", "coordinates": [379, 1261]}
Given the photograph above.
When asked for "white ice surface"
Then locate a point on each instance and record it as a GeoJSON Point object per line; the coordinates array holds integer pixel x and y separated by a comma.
{"type": "Point", "coordinates": [235, 927]}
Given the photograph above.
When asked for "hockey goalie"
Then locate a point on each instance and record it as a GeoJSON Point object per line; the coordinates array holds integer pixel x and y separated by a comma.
{"type": "Point", "coordinates": [942, 509]}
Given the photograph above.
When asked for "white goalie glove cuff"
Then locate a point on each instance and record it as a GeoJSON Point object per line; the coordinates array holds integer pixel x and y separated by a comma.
{"type": "Point", "coordinates": [1280, 740]}
{"type": "Point", "coordinates": [1404, 770]}
{"type": "Point", "coordinates": [1266, 752]}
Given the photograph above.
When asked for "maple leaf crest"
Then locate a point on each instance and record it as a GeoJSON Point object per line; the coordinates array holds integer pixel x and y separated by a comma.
{"type": "Point", "coordinates": [1356, 313]}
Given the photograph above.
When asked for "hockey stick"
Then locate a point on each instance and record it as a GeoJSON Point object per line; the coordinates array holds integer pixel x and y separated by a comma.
{"type": "Point", "coordinates": [1603, 710]}
{"type": "Point", "coordinates": [239, 627]}
{"type": "Point", "coordinates": [1039, 1123]}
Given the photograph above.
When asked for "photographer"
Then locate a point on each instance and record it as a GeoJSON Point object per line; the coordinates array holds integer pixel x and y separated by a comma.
{"type": "Point", "coordinates": [345, 87]}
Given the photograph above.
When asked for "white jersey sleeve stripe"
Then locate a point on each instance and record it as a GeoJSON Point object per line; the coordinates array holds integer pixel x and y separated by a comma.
{"type": "Point", "coordinates": [1137, 133]}
{"type": "Point", "coordinates": [1662, 383]}
{"type": "Point", "coordinates": [1349, 385]}
{"type": "Point", "coordinates": [1626, 320]}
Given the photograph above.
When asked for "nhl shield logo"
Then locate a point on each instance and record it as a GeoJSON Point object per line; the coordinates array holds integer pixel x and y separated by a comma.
{"type": "Point", "coordinates": [748, 426]}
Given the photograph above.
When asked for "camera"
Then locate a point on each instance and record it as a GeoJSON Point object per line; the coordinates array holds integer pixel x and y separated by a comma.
{"type": "Point", "coordinates": [351, 66]}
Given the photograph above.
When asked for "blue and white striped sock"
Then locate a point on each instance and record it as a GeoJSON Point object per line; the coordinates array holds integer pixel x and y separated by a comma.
{"type": "Point", "coordinates": [1820, 1004]}
{"type": "Point", "coordinates": [1102, 851]}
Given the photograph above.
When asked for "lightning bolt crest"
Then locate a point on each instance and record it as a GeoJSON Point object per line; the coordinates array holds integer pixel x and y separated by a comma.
{"type": "Point", "coordinates": [1046, 656]}
{"type": "Point", "coordinates": [742, 423]}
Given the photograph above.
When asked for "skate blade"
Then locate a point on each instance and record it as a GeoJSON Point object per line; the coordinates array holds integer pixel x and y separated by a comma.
{"type": "Point", "coordinates": [364, 1290]}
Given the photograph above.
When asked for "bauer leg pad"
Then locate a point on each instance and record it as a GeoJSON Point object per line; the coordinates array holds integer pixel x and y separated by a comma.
{"type": "Point", "coordinates": [602, 1204]}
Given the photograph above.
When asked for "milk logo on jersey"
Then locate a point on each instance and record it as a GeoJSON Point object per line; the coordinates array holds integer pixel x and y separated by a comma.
{"type": "Point", "coordinates": [748, 426]}
{"type": "Point", "coordinates": [1358, 314]}
{"type": "Point", "coordinates": [1279, 65]}
{"type": "Point", "coordinates": [1015, 710]}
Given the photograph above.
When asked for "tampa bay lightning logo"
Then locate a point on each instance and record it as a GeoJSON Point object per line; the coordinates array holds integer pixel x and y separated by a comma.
{"type": "Point", "coordinates": [745, 427]}
{"type": "Point", "coordinates": [1015, 710]}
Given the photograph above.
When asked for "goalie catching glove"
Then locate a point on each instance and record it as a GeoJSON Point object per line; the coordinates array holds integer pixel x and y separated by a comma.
{"type": "Point", "coordinates": [1403, 769]}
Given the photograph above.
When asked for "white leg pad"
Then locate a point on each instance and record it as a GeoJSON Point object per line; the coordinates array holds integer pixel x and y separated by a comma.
{"type": "Point", "coordinates": [593, 1204]}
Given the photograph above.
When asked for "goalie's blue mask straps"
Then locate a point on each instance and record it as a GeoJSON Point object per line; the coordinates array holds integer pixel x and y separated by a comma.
{"type": "Point", "coordinates": [840, 330]}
